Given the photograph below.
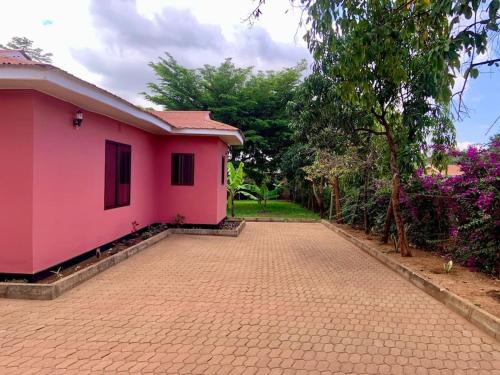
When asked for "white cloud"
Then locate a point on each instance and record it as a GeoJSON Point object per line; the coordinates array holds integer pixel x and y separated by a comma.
{"type": "Point", "coordinates": [109, 43]}
{"type": "Point", "coordinates": [462, 146]}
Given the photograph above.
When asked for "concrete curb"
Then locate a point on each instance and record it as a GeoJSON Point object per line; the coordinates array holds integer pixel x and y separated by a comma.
{"type": "Point", "coordinates": [280, 220]}
{"type": "Point", "coordinates": [477, 316]}
{"type": "Point", "coordinates": [211, 232]}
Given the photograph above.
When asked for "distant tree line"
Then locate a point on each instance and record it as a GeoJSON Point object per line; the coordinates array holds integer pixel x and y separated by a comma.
{"type": "Point", "coordinates": [254, 102]}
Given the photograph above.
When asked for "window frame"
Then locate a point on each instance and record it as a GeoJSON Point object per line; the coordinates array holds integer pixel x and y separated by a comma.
{"type": "Point", "coordinates": [172, 165]}
{"type": "Point", "coordinates": [118, 175]}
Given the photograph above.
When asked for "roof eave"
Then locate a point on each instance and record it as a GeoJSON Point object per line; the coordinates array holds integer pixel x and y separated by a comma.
{"type": "Point", "coordinates": [62, 85]}
{"type": "Point", "coordinates": [231, 137]}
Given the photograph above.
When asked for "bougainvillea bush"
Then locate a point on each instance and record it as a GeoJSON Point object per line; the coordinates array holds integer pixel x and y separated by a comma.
{"type": "Point", "coordinates": [460, 214]}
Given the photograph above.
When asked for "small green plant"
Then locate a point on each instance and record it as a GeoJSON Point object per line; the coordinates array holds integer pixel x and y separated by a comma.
{"type": "Point", "coordinates": [58, 273]}
{"type": "Point", "coordinates": [395, 242]}
{"type": "Point", "coordinates": [98, 252]}
{"type": "Point", "coordinates": [447, 267]}
{"type": "Point", "coordinates": [179, 220]}
{"type": "Point", "coordinates": [135, 226]}
{"type": "Point", "coordinates": [261, 193]}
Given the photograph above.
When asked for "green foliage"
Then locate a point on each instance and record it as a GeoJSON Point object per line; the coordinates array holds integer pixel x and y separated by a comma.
{"type": "Point", "coordinates": [448, 266]}
{"type": "Point", "coordinates": [179, 87]}
{"type": "Point", "coordinates": [253, 102]}
{"type": "Point", "coordinates": [235, 183]}
{"type": "Point", "coordinates": [261, 193]}
{"type": "Point", "coordinates": [26, 45]}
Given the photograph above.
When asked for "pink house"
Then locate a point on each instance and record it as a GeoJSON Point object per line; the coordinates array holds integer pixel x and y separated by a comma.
{"type": "Point", "coordinates": [79, 165]}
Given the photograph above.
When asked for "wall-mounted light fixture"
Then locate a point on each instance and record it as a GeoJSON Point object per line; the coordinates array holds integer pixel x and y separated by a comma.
{"type": "Point", "coordinates": [77, 121]}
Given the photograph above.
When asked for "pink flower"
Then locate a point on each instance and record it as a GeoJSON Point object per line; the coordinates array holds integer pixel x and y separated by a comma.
{"type": "Point", "coordinates": [453, 232]}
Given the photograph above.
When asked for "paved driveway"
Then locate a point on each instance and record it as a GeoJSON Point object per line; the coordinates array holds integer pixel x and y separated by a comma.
{"type": "Point", "coordinates": [281, 299]}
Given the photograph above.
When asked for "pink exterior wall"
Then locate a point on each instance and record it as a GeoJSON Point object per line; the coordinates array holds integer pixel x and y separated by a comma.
{"type": "Point", "coordinates": [222, 150]}
{"type": "Point", "coordinates": [69, 216]}
{"type": "Point", "coordinates": [53, 196]}
{"type": "Point", "coordinates": [16, 181]}
{"type": "Point", "coordinates": [200, 203]}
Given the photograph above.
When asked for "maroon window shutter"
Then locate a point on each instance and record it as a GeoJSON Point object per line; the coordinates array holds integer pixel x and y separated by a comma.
{"type": "Point", "coordinates": [110, 175]}
{"type": "Point", "coordinates": [124, 166]}
{"type": "Point", "coordinates": [182, 169]}
{"type": "Point", "coordinates": [117, 175]}
{"type": "Point", "coordinates": [223, 171]}
{"type": "Point", "coordinates": [188, 169]}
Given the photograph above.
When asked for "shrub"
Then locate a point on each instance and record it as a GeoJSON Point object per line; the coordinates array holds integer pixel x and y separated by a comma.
{"type": "Point", "coordinates": [463, 210]}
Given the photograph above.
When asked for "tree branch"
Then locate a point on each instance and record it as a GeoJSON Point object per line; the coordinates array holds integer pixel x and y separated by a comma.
{"type": "Point", "coordinates": [371, 131]}
{"type": "Point", "coordinates": [487, 62]}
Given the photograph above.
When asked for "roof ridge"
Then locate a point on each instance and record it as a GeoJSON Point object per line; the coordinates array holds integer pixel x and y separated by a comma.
{"type": "Point", "coordinates": [182, 111]}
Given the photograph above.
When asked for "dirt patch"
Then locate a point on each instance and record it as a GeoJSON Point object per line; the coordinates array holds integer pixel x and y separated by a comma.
{"type": "Point", "coordinates": [482, 290]}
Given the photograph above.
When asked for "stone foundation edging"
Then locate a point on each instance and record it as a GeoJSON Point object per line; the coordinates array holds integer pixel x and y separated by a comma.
{"type": "Point", "coordinates": [55, 289]}
{"type": "Point", "coordinates": [280, 220]}
{"type": "Point", "coordinates": [477, 316]}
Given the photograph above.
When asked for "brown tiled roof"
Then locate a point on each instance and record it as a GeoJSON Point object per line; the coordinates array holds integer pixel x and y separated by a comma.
{"type": "Point", "coordinates": [15, 57]}
{"type": "Point", "coordinates": [454, 170]}
{"type": "Point", "coordinates": [192, 120]}
{"type": "Point", "coordinates": [15, 61]}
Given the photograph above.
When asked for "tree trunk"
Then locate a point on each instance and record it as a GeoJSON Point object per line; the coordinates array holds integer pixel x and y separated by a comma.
{"type": "Point", "coordinates": [318, 195]}
{"type": "Point", "coordinates": [355, 209]}
{"type": "Point", "coordinates": [231, 196]}
{"type": "Point", "coordinates": [396, 185]}
{"type": "Point", "coordinates": [387, 224]}
{"type": "Point", "coordinates": [338, 212]}
{"type": "Point", "coordinates": [332, 202]}
{"type": "Point", "coordinates": [365, 200]}
{"type": "Point", "coordinates": [309, 199]}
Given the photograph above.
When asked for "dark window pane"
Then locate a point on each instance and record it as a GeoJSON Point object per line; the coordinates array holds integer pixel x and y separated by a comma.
{"type": "Point", "coordinates": [124, 152]}
{"type": "Point", "coordinates": [124, 176]}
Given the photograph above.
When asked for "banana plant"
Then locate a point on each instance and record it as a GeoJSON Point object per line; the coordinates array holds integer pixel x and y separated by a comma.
{"type": "Point", "coordinates": [261, 193]}
{"type": "Point", "coordinates": [235, 184]}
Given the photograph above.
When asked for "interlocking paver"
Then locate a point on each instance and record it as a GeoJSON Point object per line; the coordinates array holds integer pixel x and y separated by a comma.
{"type": "Point", "coordinates": [283, 298]}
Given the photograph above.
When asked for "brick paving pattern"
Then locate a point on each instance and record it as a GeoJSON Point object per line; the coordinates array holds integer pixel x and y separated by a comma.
{"type": "Point", "coordinates": [282, 298]}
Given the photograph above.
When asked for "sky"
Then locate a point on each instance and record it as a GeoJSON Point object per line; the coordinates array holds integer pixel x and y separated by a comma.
{"type": "Point", "coordinates": [111, 42]}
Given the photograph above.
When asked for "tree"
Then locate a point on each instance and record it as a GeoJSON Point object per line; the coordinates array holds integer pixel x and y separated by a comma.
{"type": "Point", "coordinates": [471, 26]}
{"type": "Point", "coordinates": [381, 58]}
{"type": "Point", "coordinates": [253, 102]}
{"type": "Point", "coordinates": [292, 162]}
{"type": "Point", "coordinates": [26, 45]}
{"type": "Point", "coordinates": [393, 59]}
{"type": "Point", "coordinates": [321, 120]}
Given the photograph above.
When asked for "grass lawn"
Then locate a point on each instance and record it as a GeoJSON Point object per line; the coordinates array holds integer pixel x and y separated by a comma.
{"type": "Point", "coordinates": [277, 209]}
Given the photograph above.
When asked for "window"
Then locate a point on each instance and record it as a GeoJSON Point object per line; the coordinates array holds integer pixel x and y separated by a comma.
{"type": "Point", "coordinates": [223, 171]}
{"type": "Point", "coordinates": [117, 175]}
{"type": "Point", "coordinates": [182, 169]}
